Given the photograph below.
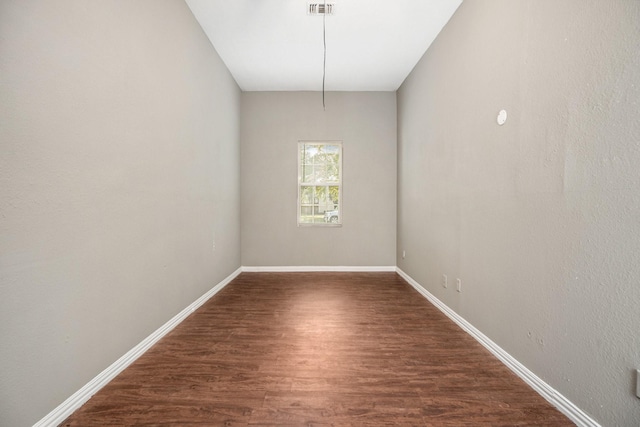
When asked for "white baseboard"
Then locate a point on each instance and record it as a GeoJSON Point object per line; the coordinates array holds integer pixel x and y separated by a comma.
{"type": "Point", "coordinates": [564, 405]}
{"type": "Point", "coordinates": [290, 269]}
{"type": "Point", "coordinates": [66, 408]}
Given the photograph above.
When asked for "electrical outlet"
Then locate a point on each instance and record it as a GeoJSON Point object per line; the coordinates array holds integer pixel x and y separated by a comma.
{"type": "Point", "coordinates": [404, 254]}
{"type": "Point", "coordinates": [458, 285]}
{"type": "Point", "coordinates": [638, 382]}
{"type": "Point", "coordinates": [445, 281]}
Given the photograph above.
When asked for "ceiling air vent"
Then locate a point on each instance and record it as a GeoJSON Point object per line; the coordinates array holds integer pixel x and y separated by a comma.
{"type": "Point", "coordinates": [321, 8]}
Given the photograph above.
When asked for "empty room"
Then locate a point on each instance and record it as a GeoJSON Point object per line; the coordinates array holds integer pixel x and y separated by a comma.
{"type": "Point", "coordinates": [303, 213]}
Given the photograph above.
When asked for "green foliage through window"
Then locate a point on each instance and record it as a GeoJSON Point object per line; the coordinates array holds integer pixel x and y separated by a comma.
{"type": "Point", "coordinates": [319, 182]}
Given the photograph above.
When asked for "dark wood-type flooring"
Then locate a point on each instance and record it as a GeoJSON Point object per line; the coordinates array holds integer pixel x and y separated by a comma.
{"type": "Point", "coordinates": [317, 349]}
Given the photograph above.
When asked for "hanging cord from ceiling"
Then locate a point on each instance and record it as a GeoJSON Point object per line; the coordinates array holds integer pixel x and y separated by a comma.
{"type": "Point", "coordinates": [324, 58]}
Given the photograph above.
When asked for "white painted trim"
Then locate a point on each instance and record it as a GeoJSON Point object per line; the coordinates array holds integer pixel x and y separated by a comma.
{"type": "Point", "coordinates": [290, 269]}
{"type": "Point", "coordinates": [564, 405]}
{"type": "Point", "coordinates": [75, 401]}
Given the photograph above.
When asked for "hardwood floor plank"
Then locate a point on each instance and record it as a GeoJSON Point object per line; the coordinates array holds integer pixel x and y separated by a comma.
{"type": "Point", "coordinates": [317, 349]}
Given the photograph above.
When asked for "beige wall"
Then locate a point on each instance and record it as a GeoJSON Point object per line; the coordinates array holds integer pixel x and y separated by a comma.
{"type": "Point", "coordinates": [119, 175]}
{"type": "Point", "coordinates": [539, 217]}
{"type": "Point", "coordinates": [272, 125]}
{"type": "Point", "coordinates": [119, 142]}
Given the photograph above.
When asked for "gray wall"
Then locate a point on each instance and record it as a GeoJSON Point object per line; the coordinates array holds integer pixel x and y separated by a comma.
{"type": "Point", "coordinates": [272, 124]}
{"type": "Point", "coordinates": [119, 142]}
{"type": "Point", "coordinates": [540, 217]}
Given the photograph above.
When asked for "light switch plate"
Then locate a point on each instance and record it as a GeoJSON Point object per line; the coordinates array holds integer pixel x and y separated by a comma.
{"type": "Point", "coordinates": [638, 383]}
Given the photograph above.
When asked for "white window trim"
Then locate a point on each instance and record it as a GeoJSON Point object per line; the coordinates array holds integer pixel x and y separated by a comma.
{"type": "Point", "coordinates": [300, 183]}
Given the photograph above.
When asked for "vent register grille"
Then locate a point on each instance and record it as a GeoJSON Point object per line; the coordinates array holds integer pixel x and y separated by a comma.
{"type": "Point", "coordinates": [321, 8]}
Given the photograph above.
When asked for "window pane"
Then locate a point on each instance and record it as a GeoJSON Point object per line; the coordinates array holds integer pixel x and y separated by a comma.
{"type": "Point", "coordinates": [306, 195]}
{"type": "Point", "coordinates": [307, 173]}
{"type": "Point", "coordinates": [320, 193]}
{"type": "Point", "coordinates": [334, 195]}
{"type": "Point", "coordinates": [332, 149]}
{"type": "Point", "coordinates": [332, 172]}
{"type": "Point", "coordinates": [306, 214]}
{"type": "Point", "coordinates": [321, 174]}
{"type": "Point", "coordinates": [310, 153]}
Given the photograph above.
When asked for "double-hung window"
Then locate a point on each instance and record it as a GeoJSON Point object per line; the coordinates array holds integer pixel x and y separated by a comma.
{"type": "Point", "coordinates": [319, 183]}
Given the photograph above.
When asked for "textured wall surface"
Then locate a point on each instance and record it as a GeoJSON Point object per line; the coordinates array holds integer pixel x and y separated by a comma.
{"type": "Point", "coordinates": [119, 142]}
{"type": "Point", "coordinates": [272, 125]}
{"type": "Point", "coordinates": [540, 218]}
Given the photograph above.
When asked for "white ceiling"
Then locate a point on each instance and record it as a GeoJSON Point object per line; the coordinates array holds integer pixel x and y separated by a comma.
{"type": "Point", "coordinates": [273, 45]}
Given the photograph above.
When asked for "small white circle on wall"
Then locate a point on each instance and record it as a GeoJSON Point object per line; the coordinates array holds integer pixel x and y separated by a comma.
{"type": "Point", "coordinates": [502, 117]}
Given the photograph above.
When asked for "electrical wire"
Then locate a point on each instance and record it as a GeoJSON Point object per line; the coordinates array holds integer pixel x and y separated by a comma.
{"type": "Point", "coordinates": [324, 58]}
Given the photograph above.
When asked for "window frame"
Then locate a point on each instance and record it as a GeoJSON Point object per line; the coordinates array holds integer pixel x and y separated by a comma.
{"type": "Point", "coordinates": [301, 183]}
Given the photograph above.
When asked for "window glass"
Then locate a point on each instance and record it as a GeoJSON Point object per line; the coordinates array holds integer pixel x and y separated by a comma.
{"type": "Point", "coordinates": [319, 183]}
